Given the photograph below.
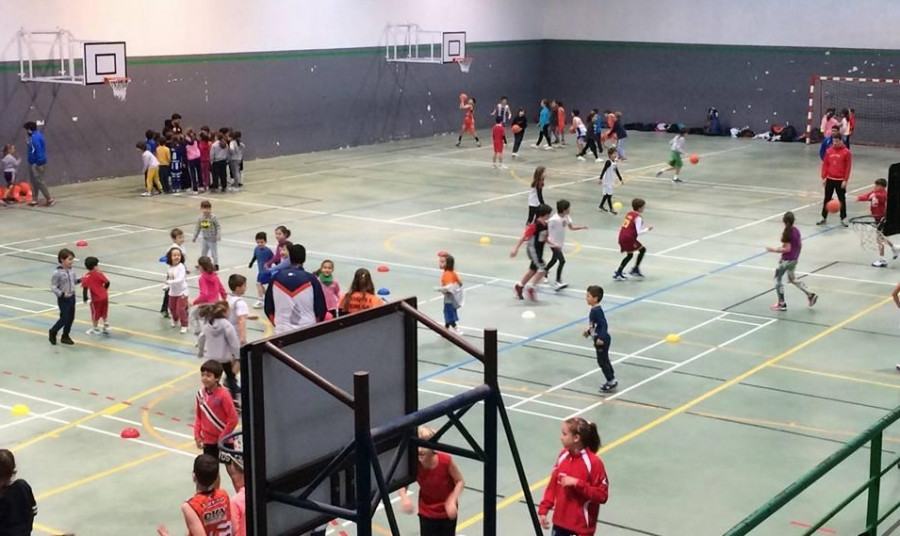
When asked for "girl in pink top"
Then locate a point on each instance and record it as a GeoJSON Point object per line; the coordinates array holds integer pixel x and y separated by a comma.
{"type": "Point", "coordinates": [330, 287]}
{"type": "Point", "coordinates": [211, 289]}
{"type": "Point", "coordinates": [192, 149]}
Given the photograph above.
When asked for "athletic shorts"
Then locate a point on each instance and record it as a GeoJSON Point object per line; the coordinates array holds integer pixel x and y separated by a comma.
{"type": "Point", "coordinates": [469, 126]}
{"type": "Point", "coordinates": [675, 159]}
{"type": "Point", "coordinates": [498, 146]}
{"type": "Point", "coordinates": [630, 247]}
{"type": "Point", "coordinates": [537, 261]}
{"type": "Point", "coordinates": [10, 177]}
{"type": "Point", "coordinates": [264, 278]}
{"type": "Point", "coordinates": [99, 309]}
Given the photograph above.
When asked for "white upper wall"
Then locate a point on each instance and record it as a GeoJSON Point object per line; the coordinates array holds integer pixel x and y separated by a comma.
{"type": "Point", "coordinates": [798, 23]}
{"type": "Point", "coordinates": [186, 27]}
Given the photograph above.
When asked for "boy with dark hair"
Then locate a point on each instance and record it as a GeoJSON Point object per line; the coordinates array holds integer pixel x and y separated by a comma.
{"type": "Point", "coordinates": [210, 231]}
{"type": "Point", "coordinates": [877, 199]}
{"type": "Point", "coordinates": [237, 307]}
{"type": "Point", "coordinates": [297, 301]}
{"type": "Point", "coordinates": [95, 282]}
{"type": "Point", "coordinates": [37, 162]}
{"type": "Point", "coordinates": [536, 235]}
{"type": "Point", "coordinates": [215, 414]}
{"type": "Point", "coordinates": [261, 256]}
{"type": "Point", "coordinates": [209, 510]}
{"type": "Point", "coordinates": [62, 284]}
{"type": "Point", "coordinates": [598, 331]}
{"type": "Point", "coordinates": [632, 228]}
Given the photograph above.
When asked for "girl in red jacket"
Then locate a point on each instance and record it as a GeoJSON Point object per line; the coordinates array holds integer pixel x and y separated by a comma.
{"type": "Point", "coordinates": [578, 484]}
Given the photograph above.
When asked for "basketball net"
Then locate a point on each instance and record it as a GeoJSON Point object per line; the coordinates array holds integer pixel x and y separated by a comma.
{"type": "Point", "coordinates": [867, 231]}
{"type": "Point", "coordinates": [119, 86]}
{"type": "Point", "coordinates": [464, 63]}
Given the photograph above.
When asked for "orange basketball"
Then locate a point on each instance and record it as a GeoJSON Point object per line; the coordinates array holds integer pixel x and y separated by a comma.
{"type": "Point", "coordinates": [694, 159]}
{"type": "Point", "coordinates": [463, 97]}
{"type": "Point", "coordinates": [572, 129]}
{"type": "Point", "coordinates": [833, 206]}
{"type": "Point", "coordinates": [516, 129]}
{"type": "Point", "coordinates": [25, 189]}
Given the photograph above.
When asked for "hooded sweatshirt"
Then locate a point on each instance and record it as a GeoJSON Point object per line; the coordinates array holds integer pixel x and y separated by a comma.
{"type": "Point", "coordinates": [219, 340]}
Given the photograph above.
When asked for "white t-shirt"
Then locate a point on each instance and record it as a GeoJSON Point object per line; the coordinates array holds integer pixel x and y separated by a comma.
{"type": "Point", "coordinates": [176, 280]}
{"type": "Point", "coordinates": [237, 307]}
{"type": "Point", "coordinates": [677, 144]}
{"type": "Point", "coordinates": [556, 228]}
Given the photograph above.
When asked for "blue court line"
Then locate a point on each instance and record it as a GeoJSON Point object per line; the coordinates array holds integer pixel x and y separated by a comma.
{"type": "Point", "coordinates": [632, 301]}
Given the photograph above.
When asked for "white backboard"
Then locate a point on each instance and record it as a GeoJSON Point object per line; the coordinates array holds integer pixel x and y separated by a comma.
{"type": "Point", "coordinates": [453, 46]}
{"type": "Point", "coordinates": [103, 60]}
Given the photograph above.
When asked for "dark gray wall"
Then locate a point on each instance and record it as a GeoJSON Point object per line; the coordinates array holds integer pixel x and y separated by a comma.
{"type": "Point", "coordinates": [283, 103]}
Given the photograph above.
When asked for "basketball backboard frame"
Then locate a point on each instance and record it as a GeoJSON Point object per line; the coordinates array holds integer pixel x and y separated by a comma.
{"type": "Point", "coordinates": [57, 57]}
{"type": "Point", "coordinates": [409, 43]}
{"type": "Point", "coordinates": [453, 46]}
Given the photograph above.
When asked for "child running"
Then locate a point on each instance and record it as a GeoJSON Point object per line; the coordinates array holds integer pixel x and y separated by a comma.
{"type": "Point", "coordinates": [877, 199]}
{"type": "Point", "coordinates": [556, 229]}
{"type": "Point", "coordinates": [608, 180]}
{"type": "Point", "coordinates": [632, 228]}
{"type": "Point", "coordinates": [544, 127]}
{"type": "Point", "coordinates": [17, 505]}
{"type": "Point", "coordinates": [498, 134]}
{"type": "Point", "coordinates": [468, 125]}
{"type": "Point", "coordinates": [451, 288]}
{"type": "Point", "coordinates": [536, 195]}
{"type": "Point", "coordinates": [578, 483]}
{"type": "Point", "coordinates": [208, 227]}
{"type": "Point", "coordinates": [95, 282]}
{"type": "Point", "coordinates": [675, 156]}
{"type": "Point", "coordinates": [177, 288]}
{"type": "Point", "coordinates": [790, 253]}
{"type": "Point", "coordinates": [62, 284]}
{"type": "Point", "coordinates": [590, 137]}
{"type": "Point", "coordinates": [330, 287]}
{"type": "Point", "coordinates": [598, 332]}
{"type": "Point", "coordinates": [261, 256]}
{"type": "Point", "coordinates": [238, 312]}
{"type": "Point", "coordinates": [579, 130]}
{"type": "Point", "coordinates": [536, 236]}
{"type": "Point", "coordinates": [440, 484]}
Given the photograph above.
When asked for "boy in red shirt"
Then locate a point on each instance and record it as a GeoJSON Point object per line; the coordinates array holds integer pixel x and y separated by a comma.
{"type": "Point", "coordinates": [209, 510]}
{"type": "Point", "coordinates": [632, 228]}
{"type": "Point", "coordinates": [835, 174]}
{"type": "Point", "coordinates": [215, 416]}
{"type": "Point", "coordinates": [95, 282]}
{"type": "Point", "coordinates": [499, 136]}
{"type": "Point", "coordinates": [877, 199]}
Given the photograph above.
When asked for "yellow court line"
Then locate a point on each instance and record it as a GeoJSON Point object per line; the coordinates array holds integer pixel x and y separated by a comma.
{"type": "Point", "coordinates": [836, 376]}
{"type": "Point", "coordinates": [48, 530]}
{"type": "Point", "coordinates": [111, 410]}
{"type": "Point", "coordinates": [145, 417]}
{"type": "Point", "coordinates": [690, 404]}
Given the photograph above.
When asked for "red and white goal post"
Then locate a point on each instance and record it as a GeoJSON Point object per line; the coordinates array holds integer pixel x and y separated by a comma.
{"type": "Point", "coordinates": [875, 102]}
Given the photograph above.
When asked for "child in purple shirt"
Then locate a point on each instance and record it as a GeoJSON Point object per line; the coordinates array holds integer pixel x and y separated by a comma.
{"type": "Point", "coordinates": [791, 244]}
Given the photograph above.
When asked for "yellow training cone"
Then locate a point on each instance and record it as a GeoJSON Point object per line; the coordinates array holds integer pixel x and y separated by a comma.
{"type": "Point", "coordinates": [673, 337]}
{"type": "Point", "coordinates": [20, 410]}
{"type": "Point", "coordinates": [484, 240]}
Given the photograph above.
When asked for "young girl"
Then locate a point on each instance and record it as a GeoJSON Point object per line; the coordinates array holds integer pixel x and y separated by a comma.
{"type": "Point", "coordinates": [560, 126]}
{"type": "Point", "coordinates": [10, 165]}
{"type": "Point", "coordinates": [282, 234]}
{"type": "Point", "coordinates": [219, 341]}
{"type": "Point", "coordinates": [536, 195]}
{"type": "Point", "coordinates": [176, 283]}
{"type": "Point", "coordinates": [285, 262]}
{"type": "Point", "coordinates": [522, 122]}
{"type": "Point", "coordinates": [790, 253]}
{"type": "Point", "coordinates": [451, 288]}
{"type": "Point", "coordinates": [211, 288]}
{"type": "Point", "coordinates": [204, 146]}
{"type": "Point", "coordinates": [468, 121]}
{"type": "Point", "coordinates": [544, 126]}
{"type": "Point", "coordinates": [192, 152]}
{"type": "Point", "coordinates": [236, 159]}
{"type": "Point", "coordinates": [608, 180]}
{"type": "Point", "coordinates": [440, 484]}
{"type": "Point", "coordinates": [361, 295]}
{"type": "Point", "coordinates": [218, 154]}
{"type": "Point", "coordinates": [578, 484]}
{"type": "Point", "coordinates": [17, 505]}
{"type": "Point", "coordinates": [330, 286]}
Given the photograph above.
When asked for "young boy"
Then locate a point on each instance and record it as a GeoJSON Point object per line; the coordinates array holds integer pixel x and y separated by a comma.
{"type": "Point", "coordinates": [261, 256]}
{"type": "Point", "coordinates": [598, 331]}
{"type": "Point", "coordinates": [536, 236]}
{"type": "Point", "coordinates": [556, 230]}
{"type": "Point", "coordinates": [62, 284]}
{"type": "Point", "coordinates": [877, 199]}
{"type": "Point", "coordinates": [209, 510]}
{"type": "Point", "coordinates": [177, 236]}
{"type": "Point", "coordinates": [560, 124]}
{"type": "Point", "coordinates": [215, 415]}
{"type": "Point", "coordinates": [96, 282]}
{"type": "Point", "coordinates": [503, 112]}
{"type": "Point", "coordinates": [607, 179]}
{"type": "Point", "coordinates": [237, 307]}
{"type": "Point", "coordinates": [499, 136]}
{"type": "Point", "coordinates": [208, 224]}
{"type": "Point", "coordinates": [632, 228]}
{"type": "Point", "coordinates": [164, 157]}
{"type": "Point", "coordinates": [150, 169]}
{"type": "Point", "coordinates": [675, 156]}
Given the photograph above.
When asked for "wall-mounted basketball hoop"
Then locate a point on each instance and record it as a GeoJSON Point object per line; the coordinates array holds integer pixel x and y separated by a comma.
{"type": "Point", "coordinates": [119, 85]}
{"type": "Point", "coordinates": [464, 63]}
{"type": "Point", "coordinates": [409, 43]}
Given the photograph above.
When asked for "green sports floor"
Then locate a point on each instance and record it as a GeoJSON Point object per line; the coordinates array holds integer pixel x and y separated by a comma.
{"type": "Point", "coordinates": [698, 434]}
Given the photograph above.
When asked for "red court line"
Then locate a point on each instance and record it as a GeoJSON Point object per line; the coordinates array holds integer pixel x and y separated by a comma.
{"type": "Point", "coordinates": [823, 530]}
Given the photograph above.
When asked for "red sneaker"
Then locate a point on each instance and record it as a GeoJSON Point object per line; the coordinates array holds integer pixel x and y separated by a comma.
{"type": "Point", "coordinates": [532, 293]}
{"type": "Point", "coordinates": [518, 288]}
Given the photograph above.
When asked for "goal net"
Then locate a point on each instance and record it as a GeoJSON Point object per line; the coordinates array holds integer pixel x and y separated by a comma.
{"type": "Point", "coordinates": [875, 101]}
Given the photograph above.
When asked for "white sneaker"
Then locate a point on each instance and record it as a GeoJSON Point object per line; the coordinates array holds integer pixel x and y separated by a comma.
{"type": "Point", "coordinates": [546, 281]}
{"type": "Point", "coordinates": [548, 147]}
{"type": "Point", "coordinates": [536, 146]}
{"type": "Point", "coordinates": [514, 155]}
{"type": "Point", "coordinates": [880, 263]}
{"type": "Point", "coordinates": [599, 160]}
{"type": "Point", "coordinates": [457, 330]}
{"type": "Point", "coordinates": [172, 323]}
{"type": "Point", "coordinates": [258, 304]}
{"type": "Point", "coordinates": [93, 331]}
{"type": "Point", "coordinates": [146, 194]}
{"type": "Point", "coordinates": [106, 329]}
{"type": "Point", "coordinates": [503, 166]}
{"type": "Point", "coordinates": [581, 159]}
{"type": "Point", "coordinates": [183, 331]}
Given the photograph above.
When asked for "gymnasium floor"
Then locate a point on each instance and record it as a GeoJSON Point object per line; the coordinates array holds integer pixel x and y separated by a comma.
{"type": "Point", "coordinates": [698, 434]}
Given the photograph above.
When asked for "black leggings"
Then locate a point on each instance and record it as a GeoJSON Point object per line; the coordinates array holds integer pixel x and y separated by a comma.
{"type": "Point", "coordinates": [590, 143]}
{"type": "Point", "coordinates": [628, 257]}
{"type": "Point", "coordinates": [219, 175]}
{"type": "Point", "coordinates": [518, 140]}
{"type": "Point", "coordinates": [832, 187]}
{"type": "Point", "coordinates": [545, 133]}
{"type": "Point", "coordinates": [436, 527]}
{"type": "Point", "coordinates": [603, 360]}
{"type": "Point", "coordinates": [193, 169]}
{"type": "Point", "coordinates": [557, 256]}
{"type": "Point", "coordinates": [532, 213]}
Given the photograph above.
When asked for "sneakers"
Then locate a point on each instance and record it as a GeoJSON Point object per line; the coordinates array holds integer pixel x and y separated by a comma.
{"type": "Point", "coordinates": [613, 212]}
{"type": "Point", "coordinates": [183, 330]}
{"type": "Point", "coordinates": [106, 329]}
{"type": "Point", "coordinates": [619, 276]}
{"type": "Point", "coordinates": [258, 304]}
{"type": "Point", "coordinates": [779, 306]}
{"type": "Point", "coordinates": [659, 173]}
{"type": "Point", "coordinates": [65, 339]}
{"type": "Point", "coordinates": [599, 160]}
{"type": "Point", "coordinates": [601, 208]}
{"type": "Point", "coordinates": [821, 222]}
{"type": "Point", "coordinates": [580, 158]}
{"type": "Point", "coordinates": [532, 293]}
{"type": "Point", "coordinates": [676, 179]}
{"type": "Point", "coordinates": [609, 386]}
{"type": "Point", "coordinates": [515, 155]}
{"type": "Point", "coordinates": [165, 314]}
{"type": "Point", "coordinates": [50, 202]}
{"type": "Point", "coordinates": [546, 281]}
{"type": "Point", "coordinates": [146, 194]}
{"type": "Point", "coordinates": [880, 263]}
{"type": "Point", "coordinates": [560, 286]}
{"type": "Point", "coordinates": [845, 223]}
{"type": "Point", "coordinates": [457, 330]}
{"type": "Point", "coordinates": [502, 166]}
{"type": "Point", "coordinates": [518, 288]}
{"type": "Point", "coordinates": [172, 324]}
{"type": "Point", "coordinates": [548, 147]}
{"type": "Point", "coordinates": [813, 298]}
{"type": "Point", "coordinates": [536, 146]}
{"type": "Point", "coordinates": [458, 143]}
{"type": "Point", "coordinates": [636, 272]}
{"type": "Point", "coordinates": [895, 251]}
{"type": "Point", "coordinates": [32, 203]}
{"type": "Point", "coordinates": [93, 331]}
{"type": "Point", "coordinates": [52, 337]}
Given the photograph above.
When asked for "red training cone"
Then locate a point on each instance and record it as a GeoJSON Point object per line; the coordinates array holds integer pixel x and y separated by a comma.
{"type": "Point", "coordinates": [130, 433]}
{"type": "Point", "coordinates": [81, 243]}
{"type": "Point", "coordinates": [383, 268]}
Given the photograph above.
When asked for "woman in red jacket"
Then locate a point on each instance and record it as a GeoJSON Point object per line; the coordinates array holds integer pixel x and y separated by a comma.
{"type": "Point", "coordinates": [578, 483]}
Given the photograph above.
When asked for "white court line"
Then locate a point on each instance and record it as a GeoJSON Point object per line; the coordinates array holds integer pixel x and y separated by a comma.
{"type": "Point", "coordinates": [223, 199]}
{"type": "Point", "coordinates": [671, 369]}
{"type": "Point", "coordinates": [58, 236]}
{"type": "Point", "coordinates": [31, 417]}
{"type": "Point", "coordinates": [534, 413]}
{"type": "Point", "coordinates": [467, 289]}
{"type": "Point", "coordinates": [21, 310]}
{"type": "Point", "coordinates": [739, 322]}
{"type": "Point", "coordinates": [335, 169]}
{"type": "Point", "coordinates": [518, 397]}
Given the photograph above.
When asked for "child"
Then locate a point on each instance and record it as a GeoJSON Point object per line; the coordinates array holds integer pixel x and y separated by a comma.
{"type": "Point", "coordinates": [578, 484]}
{"type": "Point", "coordinates": [607, 179]}
{"type": "Point", "coordinates": [440, 484]}
{"type": "Point", "coordinates": [192, 153]}
{"type": "Point", "coordinates": [236, 160]}
{"type": "Point", "coordinates": [150, 169]}
{"type": "Point", "coordinates": [590, 137]}
{"type": "Point", "coordinates": [877, 199]}
{"type": "Point", "coordinates": [97, 283]}
{"type": "Point", "coordinates": [284, 251]}
{"type": "Point", "coordinates": [211, 289]}
{"type": "Point", "coordinates": [468, 121]}
{"type": "Point", "coordinates": [17, 505]}
{"type": "Point", "coordinates": [177, 242]}
{"type": "Point", "coordinates": [361, 295]}
{"type": "Point", "coordinates": [330, 287]}
{"type": "Point", "coordinates": [598, 331]}
{"type": "Point", "coordinates": [177, 288]}
{"type": "Point", "coordinates": [10, 165]}
{"type": "Point", "coordinates": [204, 146]}
{"type": "Point", "coordinates": [239, 499]}
{"type": "Point", "coordinates": [560, 124]}
{"type": "Point", "coordinates": [164, 157]}
{"type": "Point", "coordinates": [632, 228]}
{"type": "Point", "coordinates": [536, 235]}
{"type": "Point", "coordinates": [502, 111]}
{"type": "Point", "coordinates": [451, 288]}
{"type": "Point", "coordinates": [218, 154]}
{"type": "Point", "coordinates": [261, 256]}
{"type": "Point", "coordinates": [579, 130]}
{"type": "Point", "coordinates": [208, 224]}
{"type": "Point", "coordinates": [544, 126]}
{"type": "Point", "coordinates": [282, 234]}
{"type": "Point", "coordinates": [677, 151]}
{"type": "Point", "coordinates": [219, 341]}
{"type": "Point", "coordinates": [237, 307]}
{"type": "Point", "coordinates": [536, 195]}
{"type": "Point", "coordinates": [556, 230]}
{"type": "Point", "coordinates": [179, 162]}
{"type": "Point", "coordinates": [499, 137]}
{"type": "Point", "coordinates": [618, 134]}
{"type": "Point", "coordinates": [62, 284]}
{"type": "Point", "coordinates": [209, 510]}
{"type": "Point", "coordinates": [828, 122]}
{"type": "Point", "coordinates": [520, 121]}
{"type": "Point", "coordinates": [791, 243]}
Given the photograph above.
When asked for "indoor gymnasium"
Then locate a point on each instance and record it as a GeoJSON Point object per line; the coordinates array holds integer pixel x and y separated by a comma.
{"type": "Point", "coordinates": [480, 268]}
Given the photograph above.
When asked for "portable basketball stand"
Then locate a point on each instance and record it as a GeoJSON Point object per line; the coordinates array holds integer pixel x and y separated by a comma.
{"type": "Point", "coordinates": [409, 43]}
{"type": "Point", "coordinates": [79, 62]}
{"type": "Point", "coordinates": [272, 495]}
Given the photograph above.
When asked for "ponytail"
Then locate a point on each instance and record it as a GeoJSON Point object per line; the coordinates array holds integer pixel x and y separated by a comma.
{"type": "Point", "coordinates": [788, 220]}
{"type": "Point", "coordinates": [587, 431]}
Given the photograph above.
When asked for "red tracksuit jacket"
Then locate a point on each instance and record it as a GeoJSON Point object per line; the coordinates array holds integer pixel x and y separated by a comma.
{"type": "Point", "coordinates": [836, 164]}
{"type": "Point", "coordinates": [576, 508]}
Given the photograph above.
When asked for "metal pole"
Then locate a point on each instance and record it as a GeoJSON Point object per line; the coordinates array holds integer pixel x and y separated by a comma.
{"type": "Point", "coordinates": [875, 485]}
{"type": "Point", "coordinates": [362, 428]}
{"type": "Point", "coordinates": [490, 433]}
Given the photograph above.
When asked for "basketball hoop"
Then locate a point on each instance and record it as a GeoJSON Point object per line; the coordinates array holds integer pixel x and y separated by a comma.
{"type": "Point", "coordinates": [868, 231]}
{"type": "Point", "coordinates": [464, 63]}
{"type": "Point", "coordinates": [119, 85]}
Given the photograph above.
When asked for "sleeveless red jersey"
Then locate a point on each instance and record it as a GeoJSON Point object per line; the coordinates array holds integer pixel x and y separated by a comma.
{"type": "Point", "coordinates": [214, 510]}
{"type": "Point", "coordinates": [435, 485]}
{"type": "Point", "coordinates": [629, 232]}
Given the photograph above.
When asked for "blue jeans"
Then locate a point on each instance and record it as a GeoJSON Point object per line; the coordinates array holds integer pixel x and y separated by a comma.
{"type": "Point", "coordinates": [66, 315]}
{"type": "Point", "coordinates": [450, 316]}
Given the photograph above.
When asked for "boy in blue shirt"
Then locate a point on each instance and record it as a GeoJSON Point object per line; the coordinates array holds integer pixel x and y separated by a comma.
{"type": "Point", "coordinates": [261, 255]}
{"type": "Point", "coordinates": [598, 331]}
